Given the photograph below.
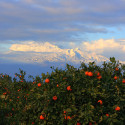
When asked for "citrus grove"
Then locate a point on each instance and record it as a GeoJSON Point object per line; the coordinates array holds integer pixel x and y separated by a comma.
{"type": "Point", "coordinates": [88, 95]}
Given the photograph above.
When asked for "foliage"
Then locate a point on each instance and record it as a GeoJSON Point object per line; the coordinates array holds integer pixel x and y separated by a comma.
{"type": "Point", "coordinates": [69, 97]}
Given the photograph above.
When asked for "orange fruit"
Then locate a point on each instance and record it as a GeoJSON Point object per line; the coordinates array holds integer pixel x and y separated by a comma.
{"type": "Point", "coordinates": [90, 123]}
{"type": "Point", "coordinates": [86, 73]}
{"type": "Point", "coordinates": [57, 85]}
{"type": "Point", "coordinates": [99, 77]}
{"type": "Point", "coordinates": [68, 117]}
{"type": "Point", "coordinates": [116, 69]}
{"type": "Point", "coordinates": [19, 90]}
{"type": "Point", "coordinates": [64, 112]}
{"type": "Point", "coordinates": [69, 88]}
{"type": "Point", "coordinates": [78, 123]}
{"type": "Point", "coordinates": [41, 117]}
{"type": "Point", "coordinates": [90, 74]}
{"type": "Point", "coordinates": [54, 97]}
{"type": "Point", "coordinates": [47, 80]}
{"type": "Point", "coordinates": [117, 108]}
{"type": "Point", "coordinates": [107, 115]}
{"type": "Point", "coordinates": [100, 101]}
{"type": "Point", "coordinates": [4, 93]}
{"type": "Point", "coordinates": [115, 77]}
{"type": "Point", "coordinates": [123, 81]}
{"type": "Point", "coordinates": [39, 84]}
{"type": "Point", "coordinates": [97, 73]}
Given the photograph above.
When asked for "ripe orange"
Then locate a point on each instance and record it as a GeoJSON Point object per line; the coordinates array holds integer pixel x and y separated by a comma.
{"type": "Point", "coordinates": [99, 77]}
{"type": "Point", "coordinates": [54, 97]}
{"type": "Point", "coordinates": [117, 108]}
{"type": "Point", "coordinates": [100, 101]}
{"type": "Point", "coordinates": [68, 117]}
{"type": "Point", "coordinates": [115, 77]}
{"type": "Point", "coordinates": [90, 123]}
{"type": "Point", "coordinates": [64, 112]}
{"type": "Point", "coordinates": [19, 90]}
{"type": "Point", "coordinates": [57, 85]}
{"type": "Point", "coordinates": [39, 84]}
{"type": "Point", "coordinates": [123, 81]}
{"type": "Point", "coordinates": [90, 74]}
{"type": "Point", "coordinates": [107, 115]}
{"type": "Point", "coordinates": [47, 80]}
{"type": "Point", "coordinates": [97, 73]}
{"type": "Point", "coordinates": [4, 93]}
{"type": "Point", "coordinates": [116, 69]}
{"type": "Point", "coordinates": [86, 73]}
{"type": "Point", "coordinates": [69, 88]}
{"type": "Point", "coordinates": [78, 123]}
{"type": "Point", "coordinates": [41, 117]}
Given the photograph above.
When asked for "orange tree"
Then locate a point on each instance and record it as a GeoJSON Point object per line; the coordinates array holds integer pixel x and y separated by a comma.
{"type": "Point", "coordinates": [88, 95]}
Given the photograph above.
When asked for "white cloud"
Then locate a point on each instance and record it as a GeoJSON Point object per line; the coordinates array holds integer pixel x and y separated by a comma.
{"type": "Point", "coordinates": [108, 48]}
{"type": "Point", "coordinates": [36, 47]}
{"type": "Point", "coordinates": [101, 45]}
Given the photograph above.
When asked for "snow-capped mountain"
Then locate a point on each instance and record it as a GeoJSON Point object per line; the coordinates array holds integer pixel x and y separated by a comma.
{"type": "Point", "coordinates": [63, 55]}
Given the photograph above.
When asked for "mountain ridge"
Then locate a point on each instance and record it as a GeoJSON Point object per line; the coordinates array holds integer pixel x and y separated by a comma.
{"type": "Point", "coordinates": [75, 55]}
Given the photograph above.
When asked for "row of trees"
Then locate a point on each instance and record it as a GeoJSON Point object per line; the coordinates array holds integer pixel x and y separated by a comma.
{"type": "Point", "coordinates": [86, 95]}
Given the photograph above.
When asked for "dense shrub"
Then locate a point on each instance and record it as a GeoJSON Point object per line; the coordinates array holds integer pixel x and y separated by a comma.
{"type": "Point", "coordinates": [85, 96]}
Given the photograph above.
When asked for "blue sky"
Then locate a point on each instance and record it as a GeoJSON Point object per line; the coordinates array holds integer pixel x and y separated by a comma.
{"type": "Point", "coordinates": [66, 23]}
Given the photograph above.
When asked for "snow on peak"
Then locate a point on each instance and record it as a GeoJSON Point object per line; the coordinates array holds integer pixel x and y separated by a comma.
{"type": "Point", "coordinates": [70, 52]}
{"type": "Point", "coordinates": [51, 53]}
